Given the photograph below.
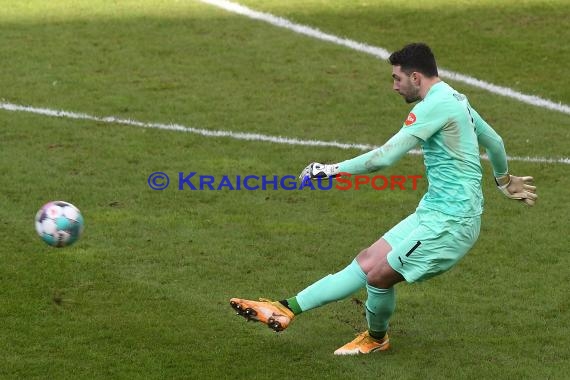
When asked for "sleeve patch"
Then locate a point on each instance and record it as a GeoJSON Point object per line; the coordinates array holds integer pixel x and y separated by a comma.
{"type": "Point", "coordinates": [411, 119]}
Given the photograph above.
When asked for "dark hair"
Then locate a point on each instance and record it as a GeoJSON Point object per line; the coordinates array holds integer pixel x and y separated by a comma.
{"type": "Point", "coordinates": [415, 57]}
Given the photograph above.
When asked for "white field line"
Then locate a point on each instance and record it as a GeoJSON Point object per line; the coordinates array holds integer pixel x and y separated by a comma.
{"type": "Point", "coordinates": [229, 134]}
{"type": "Point", "coordinates": [383, 54]}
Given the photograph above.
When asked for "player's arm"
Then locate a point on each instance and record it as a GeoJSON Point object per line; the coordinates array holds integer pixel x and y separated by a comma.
{"type": "Point", "coordinates": [493, 144]}
{"type": "Point", "coordinates": [513, 187]}
{"type": "Point", "coordinates": [372, 161]}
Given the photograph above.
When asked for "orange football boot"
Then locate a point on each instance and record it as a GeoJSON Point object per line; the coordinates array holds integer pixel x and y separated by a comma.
{"type": "Point", "coordinates": [275, 315]}
{"type": "Point", "coordinates": [364, 344]}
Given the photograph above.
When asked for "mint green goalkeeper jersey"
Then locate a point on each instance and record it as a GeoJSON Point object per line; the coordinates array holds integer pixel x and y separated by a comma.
{"type": "Point", "coordinates": [449, 132]}
{"type": "Point", "coordinates": [445, 125]}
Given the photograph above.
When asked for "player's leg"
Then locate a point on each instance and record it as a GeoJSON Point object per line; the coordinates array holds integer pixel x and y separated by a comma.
{"type": "Point", "coordinates": [381, 301]}
{"type": "Point", "coordinates": [278, 314]}
{"type": "Point", "coordinates": [381, 278]}
{"type": "Point", "coordinates": [334, 287]}
{"type": "Point", "coordinates": [435, 245]}
{"type": "Point", "coordinates": [355, 276]}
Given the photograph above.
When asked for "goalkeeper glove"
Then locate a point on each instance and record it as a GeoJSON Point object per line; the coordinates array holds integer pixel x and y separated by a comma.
{"type": "Point", "coordinates": [519, 188]}
{"type": "Point", "coordinates": [316, 171]}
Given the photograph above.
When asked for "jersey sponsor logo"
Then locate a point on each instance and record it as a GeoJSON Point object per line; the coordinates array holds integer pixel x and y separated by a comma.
{"type": "Point", "coordinates": [411, 119]}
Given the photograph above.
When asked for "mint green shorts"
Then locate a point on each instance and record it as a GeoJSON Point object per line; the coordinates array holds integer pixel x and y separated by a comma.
{"type": "Point", "coordinates": [428, 243]}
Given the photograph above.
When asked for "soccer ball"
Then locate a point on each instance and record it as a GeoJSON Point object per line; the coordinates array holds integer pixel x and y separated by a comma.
{"type": "Point", "coordinates": [59, 223]}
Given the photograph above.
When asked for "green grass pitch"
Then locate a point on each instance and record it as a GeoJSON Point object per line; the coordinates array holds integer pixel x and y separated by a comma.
{"type": "Point", "coordinates": [144, 294]}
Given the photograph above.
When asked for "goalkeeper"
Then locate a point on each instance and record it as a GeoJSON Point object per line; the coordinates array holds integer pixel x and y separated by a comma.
{"type": "Point", "coordinates": [446, 222]}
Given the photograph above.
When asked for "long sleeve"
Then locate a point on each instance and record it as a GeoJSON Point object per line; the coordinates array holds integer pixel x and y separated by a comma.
{"type": "Point", "coordinates": [386, 155]}
{"type": "Point", "coordinates": [493, 144]}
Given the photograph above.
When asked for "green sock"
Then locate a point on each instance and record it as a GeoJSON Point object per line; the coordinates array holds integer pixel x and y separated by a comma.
{"type": "Point", "coordinates": [333, 287]}
{"type": "Point", "coordinates": [380, 306]}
